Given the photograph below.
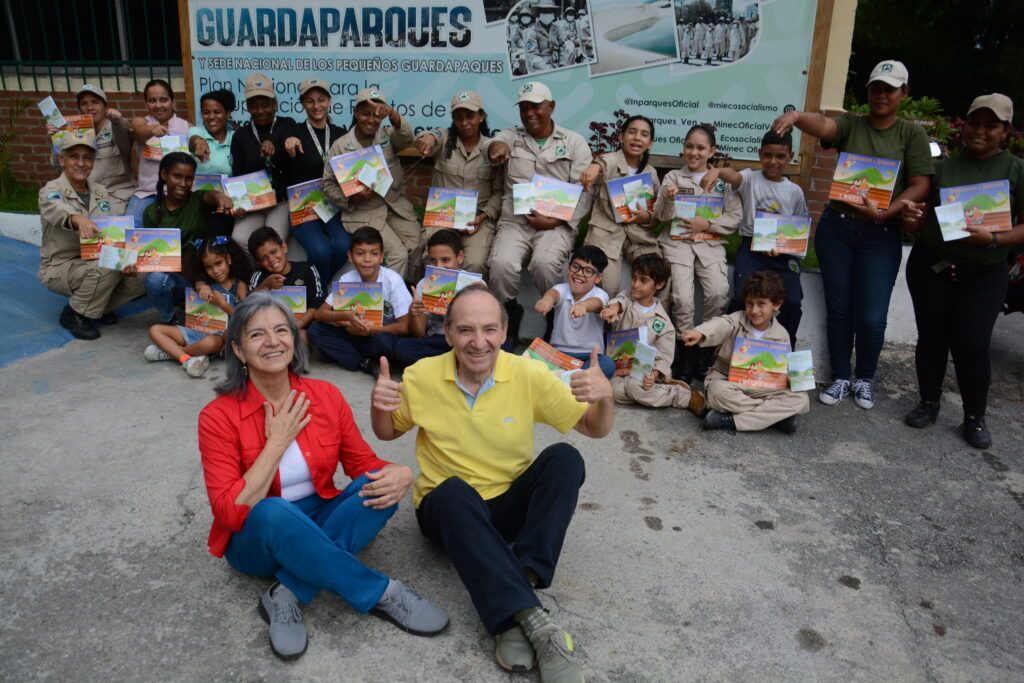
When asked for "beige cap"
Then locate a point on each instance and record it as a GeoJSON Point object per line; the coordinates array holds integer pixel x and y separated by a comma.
{"type": "Point", "coordinates": [90, 88]}
{"type": "Point", "coordinates": [370, 95]}
{"type": "Point", "coordinates": [890, 71]}
{"type": "Point", "coordinates": [1001, 106]}
{"type": "Point", "coordinates": [314, 82]}
{"type": "Point", "coordinates": [534, 91]}
{"type": "Point", "coordinates": [467, 99]}
{"type": "Point", "coordinates": [259, 85]}
{"type": "Point", "coordinates": [74, 138]}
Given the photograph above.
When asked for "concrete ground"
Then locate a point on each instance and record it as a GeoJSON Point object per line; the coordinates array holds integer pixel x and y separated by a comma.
{"type": "Point", "coordinates": [858, 549]}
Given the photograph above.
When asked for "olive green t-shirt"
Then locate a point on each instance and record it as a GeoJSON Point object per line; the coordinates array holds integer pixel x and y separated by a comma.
{"type": "Point", "coordinates": [903, 141]}
{"type": "Point", "coordinates": [192, 217]}
{"type": "Point", "coordinates": [964, 169]}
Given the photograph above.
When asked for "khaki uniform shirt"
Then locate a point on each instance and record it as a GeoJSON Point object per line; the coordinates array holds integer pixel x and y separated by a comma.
{"type": "Point", "coordinates": [661, 334]}
{"type": "Point", "coordinates": [58, 202]}
{"type": "Point", "coordinates": [606, 233]}
{"type": "Point", "coordinates": [113, 167]}
{"type": "Point", "coordinates": [722, 332]}
{"type": "Point", "coordinates": [468, 171]}
{"type": "Point", "coordinates": [708, 251]}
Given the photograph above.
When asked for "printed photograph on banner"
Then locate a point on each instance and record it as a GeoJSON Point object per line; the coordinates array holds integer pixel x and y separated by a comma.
{"type": "Point", "coordinates": [496, 11]}
{"type": "Point", "coordinates": [712, 34]}
{"type": "Point", "coordinates": [548, 35]}
{"type": "Point", "coordinates": [635, 34]}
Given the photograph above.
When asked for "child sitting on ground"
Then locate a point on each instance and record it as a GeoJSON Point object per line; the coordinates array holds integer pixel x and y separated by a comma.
{"type": "Point", "coordinates": [737, 406]}
{"type": "Point", "coordinates": [222, 268]}
{"type": "Point", "coordinates": [642, 310]}
{"type": "Point", "coordinates": [344, 335]}
{"type": "Point", "coordinates": [270, 253]}
{"type": "Point", "coordinates": [578, 327]}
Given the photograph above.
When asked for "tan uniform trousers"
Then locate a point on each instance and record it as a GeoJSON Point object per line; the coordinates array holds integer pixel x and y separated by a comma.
{"type": "Point", "coordinates": [629, 390]}
{"type": "Point", "coordinates": [753, 409]}
{"type": "Point", "coordinates": [477, 246]}
{"type": "Point", "coordinates": [714, 280]}
{"type": "Point", "coordinates": [91, 290]}
{"type": "Point", "coordinates": [548, 251]}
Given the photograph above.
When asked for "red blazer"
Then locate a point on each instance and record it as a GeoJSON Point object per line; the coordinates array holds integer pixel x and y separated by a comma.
{"type": "Point", "coordinates": [231, 435]}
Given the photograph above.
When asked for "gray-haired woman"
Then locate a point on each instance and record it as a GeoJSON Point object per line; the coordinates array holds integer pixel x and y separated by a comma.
{"type": "Point", "coordinates": [270, 444]}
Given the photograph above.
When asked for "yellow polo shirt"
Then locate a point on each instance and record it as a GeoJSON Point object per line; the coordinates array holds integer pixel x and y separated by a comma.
{"type": "Point", "coordinates": [489, 445]}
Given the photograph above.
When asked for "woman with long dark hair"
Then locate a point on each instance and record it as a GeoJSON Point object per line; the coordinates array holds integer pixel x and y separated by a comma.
{"type": "Point", "coordinates": [158, 122]}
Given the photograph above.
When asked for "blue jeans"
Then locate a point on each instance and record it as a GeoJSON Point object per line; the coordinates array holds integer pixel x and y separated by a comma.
{"type": "Point", "coordinates": [349, 350]}
{"type": "Point", "coordinates": [606, 363]}
{"type": "Point", "coordinates": [310, 544]}
{"type": "Point", "coordinates": [326, 244]}
{"type": "Point", "coordinates": [136, 206]}
{"type": "Point", "coordinates": [859, 264]}
{"type": "Point", "coordinates": [786, 267]}
{"type": "Point", "coordinates": [165, 291]}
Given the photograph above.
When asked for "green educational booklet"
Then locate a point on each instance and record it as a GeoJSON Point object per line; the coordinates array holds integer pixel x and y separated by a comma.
{"type": "Point", "coordinates": [203, 316]}
{"type": "Point", "coordinates": [294, 296]}
{"type": "Point", "coordinates": [112, 234]}
{"type": "Point", "coordinates": [801, 370]}
{"type": "Point", "coordinates": [643, 361]}
{"type": "Point", "coordinates": [620, 346]}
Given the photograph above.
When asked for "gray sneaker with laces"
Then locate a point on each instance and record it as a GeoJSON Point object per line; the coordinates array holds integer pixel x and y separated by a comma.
{"type": "Point", "coordinates": [835, 392]}
{"type": "Point", "coordinates": [404, 608]}
{"type": "Point", "coordinates": [514, 651]}
{"type": "Point", "coordinates": [196, 366]}
{"type": "Point", "coordinates": [154, 353]}
{"type": "Point", "coordinates": [280, 608]}
{"type": "Point", "coordinates": [553, 646]}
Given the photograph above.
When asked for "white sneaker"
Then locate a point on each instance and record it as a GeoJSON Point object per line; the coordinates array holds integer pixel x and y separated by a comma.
{"type": "Point", "coordinates": [862, 394]}
{"type": "Point", "coordinates": [155, 353]}
{"type": "Point", "coordinates": [835, 392]}
{"type": "Point", "coordinates": [196, 366]}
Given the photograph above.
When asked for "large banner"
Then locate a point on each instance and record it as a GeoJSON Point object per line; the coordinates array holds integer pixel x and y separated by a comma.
{"type": "Point", "coordinates": [734, 63]}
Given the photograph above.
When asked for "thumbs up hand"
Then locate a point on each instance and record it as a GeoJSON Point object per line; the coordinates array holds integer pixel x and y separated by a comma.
{"type": "Point", "coordinates": [590, 385]}
{"type": "Point", "coordinates": [387, 394]}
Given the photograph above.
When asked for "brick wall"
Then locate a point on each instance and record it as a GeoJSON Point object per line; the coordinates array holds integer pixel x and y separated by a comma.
{"type": "Point", "coordinates": [823, 167]}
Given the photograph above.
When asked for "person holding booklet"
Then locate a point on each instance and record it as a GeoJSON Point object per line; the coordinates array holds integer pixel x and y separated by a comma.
{"type": "Point", "coordinates": [210, 143]}
{"type": "Point", "coordinates": [270, 253]}
{"type": "Point", "coordinates": [768, 191]}
{"type": "Point", "coordinates": [859, 244]}
{"type": "Point", "coordinates": [308, 145]}
{"type": "Point", "coordinates": [391, 214]}
{"type": "Point", "coordinates": [460, 162]}
{"type": "Point", "coordinates": [159, 121]}
{"type": "Point", "coordinates": [733, 405]}
{"type": "Point", "coordinates": [631, 236]}
{"type": "Point", "coordinates": [67, 206]}
{"type": "Point", "coordinates": [958, 286]}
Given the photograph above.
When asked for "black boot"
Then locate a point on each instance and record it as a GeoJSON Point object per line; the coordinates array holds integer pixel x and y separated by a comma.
{"type": "Point", "coordinates": [515, 317]}
{"type": "Point", "coordinates": [975, 431]}
{"type": "Point", "coordinates": [78, 325]}
{"type": "Point", "coordinates": [924, 413]}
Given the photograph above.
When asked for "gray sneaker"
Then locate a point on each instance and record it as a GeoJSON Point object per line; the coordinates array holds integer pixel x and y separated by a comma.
{"type": "Point", "coordinates": [155, 353]}
{"type": "Point", "coordinates": [404, 608]}
{"type": "Point", "coordinates": [514, 651]}
{"type": "Point", "coordinates": [280, 608]}
{"type": "Point", "coordinates": [196, 366]}
{"type": "Point", "coordinates": [555, 656]}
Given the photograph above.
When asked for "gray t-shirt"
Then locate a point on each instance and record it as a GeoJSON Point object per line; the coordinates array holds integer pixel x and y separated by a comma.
{"type": "Point", "coordinates": [760, 194]}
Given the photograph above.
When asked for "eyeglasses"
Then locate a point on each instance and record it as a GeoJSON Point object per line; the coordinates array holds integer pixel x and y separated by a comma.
{"type": "Point", "coordinates": [586, 270]}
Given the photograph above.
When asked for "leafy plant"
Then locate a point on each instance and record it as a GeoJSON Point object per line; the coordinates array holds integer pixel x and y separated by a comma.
{"type": "Point", "coordinates": [8, 135]}
{"type": "Point", "coordinates": [605, 136]}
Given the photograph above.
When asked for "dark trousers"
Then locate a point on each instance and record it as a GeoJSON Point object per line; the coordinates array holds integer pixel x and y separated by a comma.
{"type": "Point", "coordinates": [859, 264]}
{"type": "Point", "coordinates": [786, 267]}
{"type": "Point", "coordinates": [348, 350]}
{"type": "Point", "coordinates": [408, 350]}
{"type": "Point", "coordinates": [532, 515]}
{"type": "Point", "coordinates": [955, 312]}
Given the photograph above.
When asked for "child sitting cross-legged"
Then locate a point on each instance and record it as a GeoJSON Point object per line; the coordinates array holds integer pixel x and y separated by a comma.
{"type": "Point", "coordinates": [642, 310]}
{"type": "Point", "coordinates": [270, 253]}
{"type": "Point", "coordinates": [578, 327]}
{"type": "Point", "coordinates": [345, 336]}
{"type": "Point", "coordinates": [218, 269]}
{"type": "Point", "coordinates": [735, 406]}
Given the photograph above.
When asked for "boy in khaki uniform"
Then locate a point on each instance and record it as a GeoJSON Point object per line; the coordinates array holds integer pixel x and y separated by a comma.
{"type": "Point", "coordinates": [736, 406]}
{"type": "Point", "coordinates": [391, 214]}
{"type": "Point", "coordinates": [65, 207]}
{"type": "Point", "coordinates": [641, 309]}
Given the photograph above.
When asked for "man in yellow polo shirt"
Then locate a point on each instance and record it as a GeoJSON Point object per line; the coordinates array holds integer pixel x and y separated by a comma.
{"type": "Point", "coordinates": [479, 488]}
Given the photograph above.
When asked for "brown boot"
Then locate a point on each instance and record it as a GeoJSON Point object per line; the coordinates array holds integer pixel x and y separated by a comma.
{"type": "Point", "coordinates": [697, 405]}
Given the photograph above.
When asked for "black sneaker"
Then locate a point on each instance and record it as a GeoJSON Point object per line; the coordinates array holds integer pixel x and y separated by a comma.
{"type": "Point", "coordinates": [717, 420]}
{"type": "Point", "coordinates": [78, 325]}
{"type": "Point", "coordinates": [368, 366]}
{"type": "Point", "coordinates": [975, 431]}
{"type": "Point", "coordinates": [786, 426]}
{"type": "Point", "coordinates": [924, 413]}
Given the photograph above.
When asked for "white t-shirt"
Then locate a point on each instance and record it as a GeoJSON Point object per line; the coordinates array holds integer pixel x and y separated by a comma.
{"type": "Point", "coordinates": [396, 297]}
{"type": "Point", "coordinates": [296, 480]}
{"type": "Point", "coordinates": [577, 335]}
{"type": "Point", "coordinates": [760, 194]}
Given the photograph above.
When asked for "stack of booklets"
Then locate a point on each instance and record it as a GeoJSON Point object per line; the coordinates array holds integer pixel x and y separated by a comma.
{"type": "Point", "coordinates": [450, 208]}
{"type": "Point", "coordinates": [294, 296]}
{"type": "Point", "coordinates": [559, 363]}
{"type": "Point", "coordinates": [366, 299]}
{"type": "Point", "coordinates": [363, 168]}
{"type": "Point", "coordinates": [251, 192]}
{"type": "Point", "coordinates": [784, 234]}
{"type": "Point", "coordinates": [112, 234]}
{"type": "Point", "coordinates": [706, 206]}
{"type": "Point", "coordinates": [801, 370]}
{"type": "Point", "coordinates": [71, 122]}
{"type": "Point", "coordinates": [203, 316]}
{"type": "Point", "coordinates": [306, 202]}
{"type": "Point", "coordinates": [546, 197]}
{"type": "Point", "coordinates": [441, 284]}
{"type": "Point", "coordinates": [985, 206]}
{"type": "Point", "coordinates": [759, 363]}
{"type": "Point", "coordinates": [209, 181]}
{"type": "Point", "coordinates": [631, 195]}
{"type": "Point", "coordinates": [858, 177]}
{"type": "Point", "coordinates": [159, 249]}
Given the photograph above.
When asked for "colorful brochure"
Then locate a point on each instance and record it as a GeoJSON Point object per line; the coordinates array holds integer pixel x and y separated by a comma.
{"type": "Point", "coordinates": [784, 234]}
{"type": "Point", "coordinates": [209, 181]}
{"type": "Point", "coordinates": [552, 357]}
{"type": "Point", "coordinates": [251, 191]}
{"type": "Point", "coordinates": [554, 198]}
{"type": "Point", "coordinates": [441, 284]}
{"type": "Point", "coordinates": [858, 177]}
{"type": "Point", "coordinates": [443, 204]}
{"type": "Point", "coordinates": [203, 316]}
{"type": "Point", "coordinates": [620, 346]}
{"type": "Point", "coordinates": [116, 258]}
{"type": "Point", "coordinates": [523, 199]}
{"type": "Point", "coordinates": [985, 205]}
{"type": "Point", "coordinates": [801, 371]}
{"type": "Point", "coordinates": [759, 363]}
{"type": "Point", "coordinates": [155, 148]}
{"type": "Point", "coordinates": [952, 222]}
{"type": "Point", "coordinates": [159, 249]}
{"type": "Point", "coordinates": [303, 200]}
{"type": "Point", "coordinates": [51, 113]}
{"type": "Point", "coordinates": [112, 229]}
{"type": "Point", "coordinates": [348, 167]}
{"type": "Point", "coordinates": [294, 296]}
{"type": "Point", "coordinates": [766, 230]}
{"type": "Point", "coordinates": [688, 207]}
{"type": "Point", "coordinates": [72, 122]}
{"type": "Point", "coordinates": [631, 195]}
{"type": "Point", "coordinates": [365, 298]}
{"type": "Point", "coordinates": [643, 361]}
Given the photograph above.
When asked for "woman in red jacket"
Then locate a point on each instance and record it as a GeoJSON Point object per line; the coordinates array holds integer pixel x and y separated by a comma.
{"type": "Point", "coordinates": [270, 445]}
